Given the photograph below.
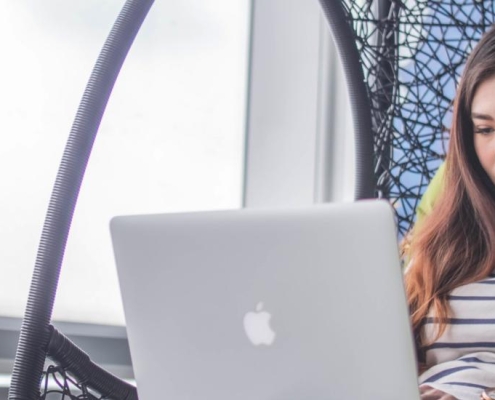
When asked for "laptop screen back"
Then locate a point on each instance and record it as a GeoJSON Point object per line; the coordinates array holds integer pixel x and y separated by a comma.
{"type": "Point", "coordinates": [266, 304]}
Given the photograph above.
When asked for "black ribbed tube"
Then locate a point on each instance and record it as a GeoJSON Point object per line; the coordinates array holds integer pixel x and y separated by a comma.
{"type": "Point", "coordinates": [75, 361]}
{"type": "Point", "coordinates": [34, 336]}
{"type": "Point", "coordinates": [343, 37]}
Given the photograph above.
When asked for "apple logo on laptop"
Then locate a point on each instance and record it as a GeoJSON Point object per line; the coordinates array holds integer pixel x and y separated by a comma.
{"type": "Point", "coordinates": [257, 326]}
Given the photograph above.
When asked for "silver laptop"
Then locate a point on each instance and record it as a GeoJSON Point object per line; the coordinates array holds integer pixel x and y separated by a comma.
{"type": "Point", "coordinates": [266, 304]}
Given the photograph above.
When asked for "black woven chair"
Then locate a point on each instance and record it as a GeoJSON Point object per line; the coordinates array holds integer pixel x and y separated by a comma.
{"type": "Point", "coordinates": [401, 60]}
{"type": "Point", "coordinates": [412, 54]}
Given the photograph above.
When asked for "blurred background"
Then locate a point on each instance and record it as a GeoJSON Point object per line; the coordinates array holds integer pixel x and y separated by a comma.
{"type": "Point", "coordinates": [221, 104]}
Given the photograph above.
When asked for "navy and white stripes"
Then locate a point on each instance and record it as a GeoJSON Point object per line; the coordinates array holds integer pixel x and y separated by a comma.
{"type": "Point", "coordinates": [462, 360]}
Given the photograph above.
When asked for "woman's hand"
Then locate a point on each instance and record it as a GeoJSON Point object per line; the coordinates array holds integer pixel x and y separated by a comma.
{"type": "Point", "coordinates": [429, 393]}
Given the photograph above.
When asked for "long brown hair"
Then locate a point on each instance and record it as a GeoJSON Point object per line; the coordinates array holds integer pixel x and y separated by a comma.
{"type": "Point", "coordinates": [455, 245]}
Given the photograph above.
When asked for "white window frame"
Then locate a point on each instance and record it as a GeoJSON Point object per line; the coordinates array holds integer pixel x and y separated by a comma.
{"type": "Point", "coordinates": [299, 146]}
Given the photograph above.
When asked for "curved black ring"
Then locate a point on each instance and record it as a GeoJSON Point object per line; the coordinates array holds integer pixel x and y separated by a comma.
{"type": "Point", "coordinates": [35, 332]}
{"type": "Point", "coordinates": [358, 94]}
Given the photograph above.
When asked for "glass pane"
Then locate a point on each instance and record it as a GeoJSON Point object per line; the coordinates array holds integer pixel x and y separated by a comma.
{"type": "Point", "coordinates": [172, 138]}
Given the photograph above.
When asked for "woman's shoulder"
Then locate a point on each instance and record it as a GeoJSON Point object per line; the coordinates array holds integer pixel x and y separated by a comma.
{"type": "Point", "coordinates": [470, 326]}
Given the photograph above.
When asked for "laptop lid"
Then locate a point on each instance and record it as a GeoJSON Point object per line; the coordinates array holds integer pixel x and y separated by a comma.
{"type": "Point", "coordinates": [266, 304]}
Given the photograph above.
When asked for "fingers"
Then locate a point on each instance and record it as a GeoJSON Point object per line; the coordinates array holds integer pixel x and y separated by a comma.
{"type": "Point", "coordinates": [429, 393]}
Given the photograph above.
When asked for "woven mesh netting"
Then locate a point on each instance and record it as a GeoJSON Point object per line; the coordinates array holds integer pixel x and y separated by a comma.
{"type": "Point", "coordinates": [413, 53]}
{"type": "Point", "coordinates": [58, 384]}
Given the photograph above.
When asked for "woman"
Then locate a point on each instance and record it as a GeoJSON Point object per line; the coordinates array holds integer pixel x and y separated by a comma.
{"type": "Point", "coordinates": [450, 283]}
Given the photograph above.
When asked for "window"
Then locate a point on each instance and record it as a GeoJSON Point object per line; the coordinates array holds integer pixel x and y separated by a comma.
{"type": "Point", "coordinates": [172, 138]}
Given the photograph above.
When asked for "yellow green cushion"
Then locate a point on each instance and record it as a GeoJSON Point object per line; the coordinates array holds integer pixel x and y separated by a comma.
{"type": "Point", "coordinates": [430, 196]}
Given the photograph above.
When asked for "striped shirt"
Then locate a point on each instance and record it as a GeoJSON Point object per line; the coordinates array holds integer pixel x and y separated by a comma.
{"type": "Point", "coordinates": [462, 359]}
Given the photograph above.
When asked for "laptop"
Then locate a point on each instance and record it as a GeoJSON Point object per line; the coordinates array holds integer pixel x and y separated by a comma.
{"type": "Point", "coordinates": [266, 304]}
